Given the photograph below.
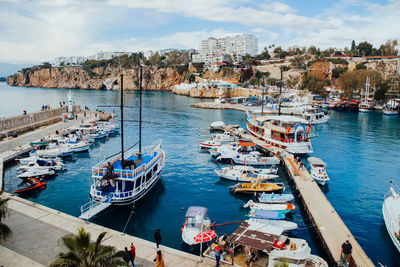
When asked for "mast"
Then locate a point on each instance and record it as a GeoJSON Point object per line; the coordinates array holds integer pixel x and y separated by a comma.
{"type": "Point", "coordinates": [122, 120]}
{"type": "Point", "coordinates": [280, 92]}
{"type": "Point", "coordinates": [140, 111]}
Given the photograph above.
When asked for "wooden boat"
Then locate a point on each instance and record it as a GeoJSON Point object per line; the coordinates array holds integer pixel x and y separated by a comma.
{"type": "Point", "coordinates": [282, 208]}
{"type": "Point", "coordinates": [250, 188]}
{"type": "Point", "coordinates": [30, 185]}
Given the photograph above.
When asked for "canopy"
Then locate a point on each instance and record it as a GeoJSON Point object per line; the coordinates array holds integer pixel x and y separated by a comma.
{"type": "Point", "coordinates": [316, 161]}
{"type": "Point", "coordinates": [207, 236]}
{"type": "Point", "coordinates": [256, 235]}
{"type": "Point", "coordinates": [193, 211]}
{"type": "Point", "coordinates": [246, 143]}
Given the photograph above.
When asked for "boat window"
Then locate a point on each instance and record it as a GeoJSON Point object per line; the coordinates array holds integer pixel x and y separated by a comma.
{"type": "Point", "coordinates": [148, 175]}
{"type": "Point", "coordinates": [138, 182]}
{"type": "Point", "coordinates": [155, 168]}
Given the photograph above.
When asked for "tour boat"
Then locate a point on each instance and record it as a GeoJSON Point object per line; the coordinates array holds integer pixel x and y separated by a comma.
{"type": "Point", "coordinates": [257, 187]}
{"type": "Point", "coordinates": [366, 103]}
{"type": "Point", "coordinates": [282, 208]}
{"type": "Point", "coordinates": [217, 141]}
{"type": "Point", "coordinates": [318, 170]}
{"type": "Point", "coordinates": [197, 226]}
{"type": "Point", "coordinates": [391, 216]}
{"type": "Point", "coordinates": [287, 132]}
{"type": "Point", "coordinates": [30, 185]}
{"type": "Point", "coordinates": [266, 214]}
{"type": "Point", "coordinates": [42, 165]}
{"type": "Point", "coordinates": [127, 176]}
{"type": "Point", "coordinates": [254, 158]}
{"type": "Point", "coordinates": [285, 225]}
{"type": "Point", "coordinates": [315, 115]}
{"type": "Point", "coordinates": [275, 198]}
{"type": "Point", "coordinates": [217, 126]}
{"type": "Point", "coordinates": [36, 173]}
{"type": "Point", "coordinates": [246, 173]}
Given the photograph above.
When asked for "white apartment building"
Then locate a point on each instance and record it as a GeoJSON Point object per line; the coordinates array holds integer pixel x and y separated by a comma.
{"type": "Point", "coordinates": [212, 49]}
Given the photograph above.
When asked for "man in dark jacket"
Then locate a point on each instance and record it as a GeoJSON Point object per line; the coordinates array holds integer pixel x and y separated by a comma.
{"type": "Point", "coordinates": [157, 237]}
{"type": "Point", "coordinates": [128, 256]}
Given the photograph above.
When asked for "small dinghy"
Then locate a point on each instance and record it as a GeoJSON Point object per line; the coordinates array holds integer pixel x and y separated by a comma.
{"type": "Point", "coordinates": [246, 173]}
{"type": "Point", "coordinates": [275, 198]}
{"type": "Point", "coordinates": [30, 185]}
{"type": "Point", "coordinates": [35, 173]}
{"type": "Point", "coordinates": [250, 188]}
{"type": "Point", "coordinates": [196, 228]}
{"type": "Point", "coordinates": [282, 208]}
{"type": "Point", "coordinates": [285, 225]}
{"type": "Point", "coordinates": [266, 214]}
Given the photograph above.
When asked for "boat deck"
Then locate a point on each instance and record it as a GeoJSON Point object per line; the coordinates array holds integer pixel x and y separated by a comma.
{"type": "Point", "coordinates": [146, 159]}
{"type": "Point", "coordinates": [328, 224]}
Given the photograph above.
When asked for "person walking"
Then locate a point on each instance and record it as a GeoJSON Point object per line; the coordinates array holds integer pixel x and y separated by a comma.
{"type": "Point", "coordinates": [346, 250]}
{"type": "Point", "coordinates": [159, 260]}
{"type": "Point", "coordinates": [133, 254]}
{"type": "Point", "coordinates": [157, 237]}
{"type": "Point", "coordinates": [217, 255]}
{"type": "Point", "coordinates": [128, 256]}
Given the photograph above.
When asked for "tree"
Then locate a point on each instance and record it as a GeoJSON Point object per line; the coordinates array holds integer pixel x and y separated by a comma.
{"type": "Point", "coordinates": [351, 81]}
{"type": "Point", "coordinates": [85, 253]}
{"type": "Point", "coordinates": [353, 48]}
{"type": "Point", "coordinates": [5, 231]}
{"type": "Point", "coordinates": [263, 55]}
{"type": "Point", "coordinates": [364, 49]}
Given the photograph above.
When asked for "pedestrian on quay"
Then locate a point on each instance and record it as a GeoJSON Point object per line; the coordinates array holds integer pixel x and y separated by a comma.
{"type": "Point", "coordinates": [157, 237]}
{"type": "Point", "coordinates": [159, 260]}
{"type": "Point", "coordinates": [128, 256]}
{"type": "Point", "coordinates": [346, 250]}
{"type": "Point", "coordinates": [218, 252]}
{"type": "Point", "coordinates": [133, 254]}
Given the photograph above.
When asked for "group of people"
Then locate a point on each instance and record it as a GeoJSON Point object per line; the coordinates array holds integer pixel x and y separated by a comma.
{"type": "Point", "coordinates": [62, 104]}
{"type": "Point", "coordinates": [45, 107]}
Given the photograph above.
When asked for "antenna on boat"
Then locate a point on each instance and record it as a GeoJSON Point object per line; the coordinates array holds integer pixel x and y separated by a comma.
{"type": "Point", "coordinates": [122, 114]}
{"type": "Point", "coordinates": [140, 106]}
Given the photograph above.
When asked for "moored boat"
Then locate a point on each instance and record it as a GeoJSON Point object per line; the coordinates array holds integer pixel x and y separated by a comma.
{"type": "Point", "coordinates": [315, 115]}
{"type": "Point", "coordinates": [275, 198]}
{"type": "Point", "coordinates": [318, 170]}
{"type": "Point", "coordinates": [217, 126]}
{"type": "Point", "coordinates": [30, 185]}
{"type": "Point", "coordinates": [282, 208]}
{"type": "Point", "coordinates": [254, 158]}
{"type": "Point", "coordinates": [37, 173]}
{"type": "Point", "coordinates": [285, 225]}
{"type": "Point", "coordinates": [197, 226]}
{"type": "Point", "coordinates": [391, 216]}
{"type": "Point", "coordinates": [217, 141]}
{"type": "Point", "coordinates": [246, 173]}
{"type": "Point", "coordinates": [257, 187]}
{"type": "Point", "coordinates": [266, 214]}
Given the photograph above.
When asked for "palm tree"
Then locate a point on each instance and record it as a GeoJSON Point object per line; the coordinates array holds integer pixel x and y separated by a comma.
{"type": "Point", "coordinates": [5, 231]}
{"type": "Point", "coordinates": [84, 253]}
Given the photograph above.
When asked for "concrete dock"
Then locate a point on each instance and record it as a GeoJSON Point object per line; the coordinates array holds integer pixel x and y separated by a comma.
{"type": "Point", "coordinates": [327, 222]}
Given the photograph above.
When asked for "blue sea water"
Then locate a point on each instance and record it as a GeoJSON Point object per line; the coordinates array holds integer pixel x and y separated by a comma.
{"type": "Point", "coordinates": [361, 151]}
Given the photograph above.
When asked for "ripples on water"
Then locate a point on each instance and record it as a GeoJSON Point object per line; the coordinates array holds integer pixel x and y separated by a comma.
{"type": "Point", "coordinates": [361, 151]}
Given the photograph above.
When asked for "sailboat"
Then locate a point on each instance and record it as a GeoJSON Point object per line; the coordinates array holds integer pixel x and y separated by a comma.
{"type": "Point", "coordinates": [392, 105]}
{"type": "Point", "coordinates": [365, 105]}
{"type": "Point", "coordinates": [126, 177]}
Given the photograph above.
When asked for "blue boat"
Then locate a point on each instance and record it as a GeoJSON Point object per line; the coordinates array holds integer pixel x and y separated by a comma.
{"type": "Point", "coordinates": [266, 214]}
{"type": "Point", "coordinates": [275, 198]}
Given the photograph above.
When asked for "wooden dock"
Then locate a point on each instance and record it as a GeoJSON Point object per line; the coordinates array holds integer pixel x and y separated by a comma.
{"type": "Point", "coordinates": [327, 222]}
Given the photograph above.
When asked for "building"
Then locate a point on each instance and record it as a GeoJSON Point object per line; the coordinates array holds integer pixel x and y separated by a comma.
{"type": "Point", "coordinates": [213, 49]}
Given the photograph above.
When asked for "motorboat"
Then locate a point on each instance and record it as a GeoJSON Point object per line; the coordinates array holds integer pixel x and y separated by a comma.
{"type": "Point", "coordinates": [74, 146]}
{"type": "Point", "coordinates": [217, 141]}
{"type": "Point", "coordinates": [275, 198]}
{"type": "Point", "coordinates": [391, 216]}
{"type": "Point", "coordinates": [217, 126]}
{"type": "Point", "coordinates": [257, 187]}
{"type": "Point", "coordinates": [230, 150]}
{"type": "Point", "coordinates": [197, 226]}
{"type": "Point", "coordinates": [30, 185]}
{"type": "Point", "coordinates": [34, 158]}
{"type": "Point", "coordinates": [53, 150]}
{"type": "Point", "coordinates": [246, 173]}
{"type": "Point", "coordinates": [285, 225]}
{"type": "Point", "coordinates": [266, 214]}
{"type": "Point", "coordinates": [316, 115]}
{"type": "Point", "coordinates": [318, 170]}
{"type": "Point", "coordinates": [36, 173]}
{"type": "Point", "coordinates": [392, 106]}
{"type": "Point", "coordinates": [366, 103]}
{"type": "Point", "coordinates": [287, 132]}
{"type": "Point", "coordinates": [282, 208]}
{"type": "Point", "coordinates": [254, 158]}
{"type": "Point", "coordinates": [42, 165]}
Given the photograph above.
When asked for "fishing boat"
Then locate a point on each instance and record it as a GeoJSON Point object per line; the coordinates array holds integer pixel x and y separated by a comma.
{"type": "Point", "coordinates": [197, 226]}
{"type": "Point", "coordinates": [366, 103]}
{"type": "Point", "coordinates": [391, 216]}
{"type": "Point", "coordinates": [275, 198]}
{"type": "Point", "coordinates": [246, 173]}
{"type": "Point", "coordinates": [285, 225]}
{"type": "Point", "coordinates": [257, 187]}
{"type": "Point", "coordinates": [37, 173]}
{"type": "Point", "coordinates": [318, 170]}
{"type": "Point", "coordinates": [126, 177]}
{"type": "Point", "coordinates": [266, 214]}
{"type": "Point", "coordinates": [30, 185]}
{"type": "Point", "coordinates": [217, 141]}
{"type": "Point", "coordinates": [282, 208]}
{"type": "Point", "coordinates": [41, 165]}
{"type": "Point", "coordinates": [217, 126]}
{"type": "Point", "coordinates": [316, 115]}
{"type": "Point", "coordinates": [288, 132]}
{"type": "Point", "coordinates": [254, 158]}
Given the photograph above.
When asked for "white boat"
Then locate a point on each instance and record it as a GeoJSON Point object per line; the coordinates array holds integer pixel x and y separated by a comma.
{"type": "Point", "coordinates": [243, 146]}
{"type": "Point", "coordinates": [282, 208]}
{"type": "Point", "coordinates": [315, 115]}
{"type": "Point", "coordinates": [52, 151]}
{"type": "Point", "coordinates": [390, 111]}
{"type": "Point", "coordinates": [366, 104]}
{"type": "Point", "coordinates": [34, 158]}
{"type": "Point", "coordinates": [275, 198]}
{"type": "Point", "coordinates": [217, 141]}
{"type": "Point", "coordinates": [246, 173]}
{"type": "Point", "coordinates": [391, 216]}
{"type": "Point", "coordinates": [196, 228]}
{"type": "Point", "coordinates": [285, 225]}
{"type": "Point", "coordinates": [254, 158]}
{"type": "Point", "coordinates": [36, 173]}
{"type": "Point", "coordinates": [41, 165]}
{"type": "Point", "coordinates": [74, 146]}
{"type": "Point", "coordinates": [288, 132]}
{"type": "Point", "coordinates": [217, 126]}
{"type": "Point", "coordinates": [318, 170]}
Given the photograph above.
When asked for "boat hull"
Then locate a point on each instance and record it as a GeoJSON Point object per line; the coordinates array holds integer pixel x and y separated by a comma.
{"type": "Point", "coordinates": [392, 226]}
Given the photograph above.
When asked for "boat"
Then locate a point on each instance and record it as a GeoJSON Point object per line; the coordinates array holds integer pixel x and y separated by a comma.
{"type": "Point", "coordinates": [30, 185]}
{"type": "Point", "coordinates": [318, 170]}
{"type": "Point", "coordinates": [285, 225]}
{"type": "Point", "coordinates": [257, 187]}
{"type": "Point", "coordinates": [52, 150]}
{"type": "Point", "coordinates": [392, 106]}
{"type": "Point", "coordinates": [287, 132]}
{"type": "Point", "coordinates": [282, 208]}
{"type": "Point", "coordinates": [197, 226]}
{"type": "Point", "coordinates": [391, 216]}
{"type": "Point", "coordinates": [266, 214]}
{"type": "Point", "coordinates": [217, 141]}
{"type": "Point", "coordinates": [275, 198]}
{"type": "Point", "coordinates": [254, 158]}
{"type": "Point", "coordinates": [246, 173]}
{"type": "Point", "coordinates": [229, 150]}
{"type": "Point", "coordinates": [42, 165]}
{"type": "Point", "coordinates": [217, 126]}
{"type": "Point", "coordinates": [36, 173]}
{"type": "Point", "coordinates": [74, 146]}
{"type": "Point", "coordinates": [34, 158]}
{"type": "Point", "coordinates": [366, 103]}
{"type": "Point", "coordinates": [316, 115]}
{"type": "Point", "coordinates": [126, 177]}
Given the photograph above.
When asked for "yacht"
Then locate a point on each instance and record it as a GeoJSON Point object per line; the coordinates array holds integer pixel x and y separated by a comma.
{"type": "Point", "coordinates": [316, 115]}
{"type": "Point", "coordinates": [391, 216]}
{"type": "Point", "coordinates": [366, 103]}
{"type": "Point", "coordinates": [287, 132]}
{"type": "Point", "coordinates": [246, 173]}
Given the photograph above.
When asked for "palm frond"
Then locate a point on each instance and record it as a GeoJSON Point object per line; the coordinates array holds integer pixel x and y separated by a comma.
{"type": "Point", "coordinates": [5, 231]}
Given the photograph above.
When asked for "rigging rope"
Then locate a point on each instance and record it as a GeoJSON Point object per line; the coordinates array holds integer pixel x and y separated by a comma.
{"type": "Point", "coordinates": [130, 215]}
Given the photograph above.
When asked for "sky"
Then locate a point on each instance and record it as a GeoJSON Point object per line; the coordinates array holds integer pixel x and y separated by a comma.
{"type": "Point", "coordinates": [44, 29]}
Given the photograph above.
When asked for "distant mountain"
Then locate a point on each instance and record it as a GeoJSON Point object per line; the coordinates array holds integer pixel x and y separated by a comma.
{"type": "Point", "coordinates": [7, 69]}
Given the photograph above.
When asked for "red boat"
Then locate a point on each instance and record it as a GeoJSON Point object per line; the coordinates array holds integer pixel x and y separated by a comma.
{"type": "Point", "coordinates": [32, 184]}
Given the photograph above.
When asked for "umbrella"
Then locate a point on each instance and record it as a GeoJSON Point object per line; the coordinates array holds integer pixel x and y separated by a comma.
{"type": "Point", "coordinates": [207, 236]}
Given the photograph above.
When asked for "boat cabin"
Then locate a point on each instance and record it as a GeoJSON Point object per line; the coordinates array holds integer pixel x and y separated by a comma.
{"type": "Point", "coordinates": [195, 216]}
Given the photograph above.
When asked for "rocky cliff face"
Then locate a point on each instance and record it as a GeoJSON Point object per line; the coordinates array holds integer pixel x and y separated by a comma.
{"type": "Point", "coordinates": [99, 78]}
